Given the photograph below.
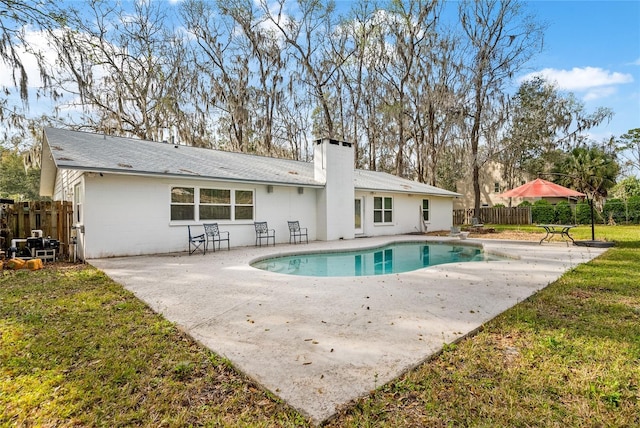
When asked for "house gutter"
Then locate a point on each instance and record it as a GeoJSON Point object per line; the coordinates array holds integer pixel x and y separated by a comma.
{"type": "Point", "coordinates": [409, 192]}
{"type": "Point", "coordinates": [188, 177]}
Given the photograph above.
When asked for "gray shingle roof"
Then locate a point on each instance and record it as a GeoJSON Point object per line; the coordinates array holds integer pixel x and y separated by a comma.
{"type": "Point", "coordinates": [381, 181]}
{"type": "Point", "coordinates": [103, 153]}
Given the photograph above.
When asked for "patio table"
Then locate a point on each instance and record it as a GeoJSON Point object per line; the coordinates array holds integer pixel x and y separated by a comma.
{"type": "Point", "coordinates": [557, 229]}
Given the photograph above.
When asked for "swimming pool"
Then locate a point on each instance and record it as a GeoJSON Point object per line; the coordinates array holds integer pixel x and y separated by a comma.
{"type": "Point", "coordinates": [392, 258]}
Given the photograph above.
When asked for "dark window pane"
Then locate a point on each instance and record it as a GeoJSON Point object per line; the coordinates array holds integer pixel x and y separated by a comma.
{"type": "Point", "coordinates": [388, 203]}
{"type": "Point", "coordinates": [182, 212]}
{"type": "Point", "coordinates": [215, 196]}
{"type": "Point", "coordinates": [377, 216]}
{"type": "Point", "coordinates": [244, 197]}
{"type": "Point", "coordinates": [377, 203]}
{"type": "Point", "coordinates": [387, 217]}
{"type": "Point", "coordinates": [425, 204]}
{"type": "Point", "coordinates": [182, 195]}
{"type": "Point", "coordinates": [215, 212]}
{"type": "Point", "coordinates": [425, 215]}
{"type": "Point", "coordinates": [244, 213]}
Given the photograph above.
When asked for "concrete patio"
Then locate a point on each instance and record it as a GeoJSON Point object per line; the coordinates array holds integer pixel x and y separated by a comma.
{"type": "Point", "coordinates": [319, 343]}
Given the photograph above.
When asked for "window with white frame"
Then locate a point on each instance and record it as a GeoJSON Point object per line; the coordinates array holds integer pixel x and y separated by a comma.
{"type": "Point", "coordinates": [212, 204]}
{"type": "Point", "coordinates": [77, 202]}
{"type": "Point", "coordinates": [182, 203]}
{"type": "Point", "coordinates": [382, 209]}
{"type": "Point", "coordinates": [215, 204]}
{"type": "Point", "coordinates": [243, 205]}
{"type": "Point", "coordinates": [425, 209]}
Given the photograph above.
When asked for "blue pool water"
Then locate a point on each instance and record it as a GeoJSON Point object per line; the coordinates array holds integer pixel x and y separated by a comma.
{"type": "Point", "coordinates": [394, 258]}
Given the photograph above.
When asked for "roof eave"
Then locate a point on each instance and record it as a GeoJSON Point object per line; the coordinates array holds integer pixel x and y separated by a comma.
{"type": "Point", "coordinates": [186, 176]}
{"type": "Point", "coordinates": [409, 192]}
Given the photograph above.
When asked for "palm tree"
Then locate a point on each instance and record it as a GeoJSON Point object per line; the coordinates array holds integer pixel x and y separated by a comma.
{"type": "Point", "coordinates": [591, 170]}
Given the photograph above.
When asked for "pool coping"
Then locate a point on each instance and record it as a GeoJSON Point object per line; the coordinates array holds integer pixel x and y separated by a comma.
{"type": "Point", "coordinates": [319, 343]}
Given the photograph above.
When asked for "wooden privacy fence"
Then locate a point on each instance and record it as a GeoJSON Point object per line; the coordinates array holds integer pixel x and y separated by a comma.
{"type": "Point", "coordinates": [53, 218]}
{"type": "Point", "coordinates": [496, 215]}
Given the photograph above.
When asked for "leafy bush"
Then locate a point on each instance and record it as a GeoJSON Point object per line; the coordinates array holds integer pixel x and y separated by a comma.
{"type": "Point", "coordinates": [615, 209]}
{"type": "Point", "coordinates": [542, 212]}
{"type": "Point", "coordinates": [583, 213]}
{"type": "Point", "coordinates": [499, 206]}
{"type": "Point", "coordinates": [633, 207]}
{"type": "Point", "coordinates": [525, 204]}
{"type": "Point", "coordinates": [564, 213]}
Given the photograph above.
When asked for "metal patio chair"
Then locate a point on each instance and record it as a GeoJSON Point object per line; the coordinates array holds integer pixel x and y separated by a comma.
{"type": "Point", "coordinates": [263, 232]}
{"type": "Point", "coordinates": [213, 235]}
{"type": "Point", "coordinates": [296, 232]}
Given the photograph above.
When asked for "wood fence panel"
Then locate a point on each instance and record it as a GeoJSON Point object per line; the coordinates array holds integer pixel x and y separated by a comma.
{"type": "Point", "coordinates": [494, 215]}
{"type": "Point", "coordinates": [53, 218]}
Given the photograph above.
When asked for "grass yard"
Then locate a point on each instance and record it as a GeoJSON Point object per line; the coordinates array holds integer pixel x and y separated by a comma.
{"type": "Point", "coordinates": [76, 349]}
{"type": "Point", "coordinates": [625, 235]}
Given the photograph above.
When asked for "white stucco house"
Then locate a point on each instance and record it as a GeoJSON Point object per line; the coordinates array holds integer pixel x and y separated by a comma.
{"type": "Point", "coordinates": [133, 197]}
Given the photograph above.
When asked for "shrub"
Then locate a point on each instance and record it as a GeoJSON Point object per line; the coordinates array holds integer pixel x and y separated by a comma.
{"type": "Point", "coordinates": [542, 212]}
{"type": "Point", "coordinates": [615, 209]}
{"type": "Point", "coordinates": [583, 213]}
{"type": "Point", "coordinates": [633, 207]}
{"type": "Point", "coordinates": [525, 204]}
{"type": "Point", "coordinates": [564, 213]}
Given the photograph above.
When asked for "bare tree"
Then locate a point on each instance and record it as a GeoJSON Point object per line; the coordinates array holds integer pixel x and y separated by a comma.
{"type": "Point", "coordinates": [500, 40]}
{"type": "Point", "coordinates": [402, 65]}
{"type": "Point", "coordinates": [630, 144]}
{"type": "Point", "coordinates": [308, 36]}
{"type": "Point", "coordinates": [222, 62]}
{"type": "Point", "coordinates": [267, 68]}
{"type": "Point", "coordinates": [435, 105]}
{"type": "Point", "coordinates": [358, 94]}
{"type": "Point", "coordinates": [15, 17]}
{"type": "Point", "coordinates": [127, 72]}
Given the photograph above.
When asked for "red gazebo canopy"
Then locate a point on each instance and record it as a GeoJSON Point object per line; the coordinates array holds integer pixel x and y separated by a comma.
{"type": "Point", "coordinates": [540, 188]}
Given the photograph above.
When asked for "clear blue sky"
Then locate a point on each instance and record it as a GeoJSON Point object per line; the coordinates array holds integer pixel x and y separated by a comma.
{"type": "Point", "coordinates": [592, 48]}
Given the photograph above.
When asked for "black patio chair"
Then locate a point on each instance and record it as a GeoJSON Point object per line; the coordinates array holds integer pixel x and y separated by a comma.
{"type": "Point", "coordinates": [213, 235]}
{"type": "Point", "coordinates": [263, 232]}
{"type": "Point", "coordinates": [197, 242]}
{"type": "Point", "coordinates": [296, 232]}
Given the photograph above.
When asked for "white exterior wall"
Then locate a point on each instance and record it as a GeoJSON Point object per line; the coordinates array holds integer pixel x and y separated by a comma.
{"type": "Point", "coordinates": [407, 214]}
{"type": "Point", "coordinates": [441, 213]}
{"type": "Point", "coordinates": [130, 215]}
{"type": "Point", "coordinates": [283, 204]}
{"type": "Point", "coordinates": [65, 181]}
{"type": "Point", "coordinates": [64, 188]}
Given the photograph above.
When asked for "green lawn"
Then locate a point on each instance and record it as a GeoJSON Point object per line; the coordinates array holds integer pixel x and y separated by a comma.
{"type": "Point", "coordinates": [76, 349]}
{"type": "Point", "coordinates": [624, 235]}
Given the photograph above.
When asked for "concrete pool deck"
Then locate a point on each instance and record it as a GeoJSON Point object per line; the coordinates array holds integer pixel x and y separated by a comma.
{"type": "Point", "coordinates": [319, 343]}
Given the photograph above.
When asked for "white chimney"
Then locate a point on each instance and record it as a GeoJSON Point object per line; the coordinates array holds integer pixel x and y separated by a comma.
{"type": "Point", "coordinates": [333, 165]}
